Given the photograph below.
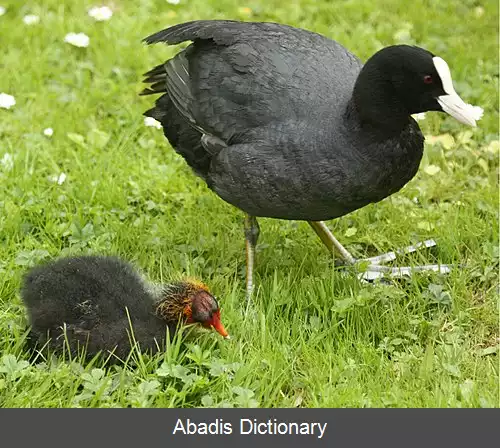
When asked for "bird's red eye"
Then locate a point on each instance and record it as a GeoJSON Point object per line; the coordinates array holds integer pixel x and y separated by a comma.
{"type": "Point", "coordinates": [428, 79]}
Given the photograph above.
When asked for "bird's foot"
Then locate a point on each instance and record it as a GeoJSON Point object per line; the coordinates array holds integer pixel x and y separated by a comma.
{"type": "Point", "coordinates": [375, 268]}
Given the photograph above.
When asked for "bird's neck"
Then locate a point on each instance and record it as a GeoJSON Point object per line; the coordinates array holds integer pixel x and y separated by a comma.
{"type": "Point", "coordinates": [375, 104]}
{"type": "Point", "coordinates": [170, 303]}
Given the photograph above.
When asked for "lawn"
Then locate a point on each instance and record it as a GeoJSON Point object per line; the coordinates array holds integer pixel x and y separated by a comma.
{"type": "Point", "coordinates": [314, 336]}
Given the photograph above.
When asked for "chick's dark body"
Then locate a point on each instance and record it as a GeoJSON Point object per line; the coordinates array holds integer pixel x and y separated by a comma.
{"type": "Point", "coordinates": [91, 302]}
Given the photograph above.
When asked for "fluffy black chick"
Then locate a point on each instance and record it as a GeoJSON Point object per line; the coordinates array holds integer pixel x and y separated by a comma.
{"type": "Point", "coordinates": [103, 304]}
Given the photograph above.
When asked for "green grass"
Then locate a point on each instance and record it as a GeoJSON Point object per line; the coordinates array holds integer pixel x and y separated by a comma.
{"type": "Point", "coordinates": [314, 337]}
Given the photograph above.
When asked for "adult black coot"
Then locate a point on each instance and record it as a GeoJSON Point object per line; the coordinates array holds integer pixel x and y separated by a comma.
{"type": "Point", "coordinates": [102, 304]}
{"type": "Point", "coordinates": [285, 123]}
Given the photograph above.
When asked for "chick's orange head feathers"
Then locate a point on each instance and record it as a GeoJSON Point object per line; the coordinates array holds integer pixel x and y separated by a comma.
{"type": "Point", "coordinates": [197, 284]}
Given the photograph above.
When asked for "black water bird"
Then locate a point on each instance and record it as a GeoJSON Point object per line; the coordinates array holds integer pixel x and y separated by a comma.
{"type": "Point", "coordinates": [285, 123]}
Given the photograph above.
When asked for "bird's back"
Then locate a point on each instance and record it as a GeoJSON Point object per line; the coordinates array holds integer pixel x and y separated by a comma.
{"type": "Point", "coordinates": [271, 73]}
{"type": "Point", "coordinates": [238, 76]}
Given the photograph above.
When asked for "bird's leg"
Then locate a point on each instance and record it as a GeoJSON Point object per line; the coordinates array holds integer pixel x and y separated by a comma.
{"type": "Point", "coordinates": [375, 268]}
{"type": "Point", "coordinates": [330, 241]}
{"type": "Point", "coordinates": [251, 236]}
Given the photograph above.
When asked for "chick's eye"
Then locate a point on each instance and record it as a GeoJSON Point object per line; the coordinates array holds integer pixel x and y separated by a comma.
{"type": "Point", "coordinates": [428, 79]}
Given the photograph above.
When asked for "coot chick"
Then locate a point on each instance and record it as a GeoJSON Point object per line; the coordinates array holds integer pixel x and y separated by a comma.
{"type": "Point", "coordinates": [285, 123]}
{"type": "Point", "coordinates": [93, 301]}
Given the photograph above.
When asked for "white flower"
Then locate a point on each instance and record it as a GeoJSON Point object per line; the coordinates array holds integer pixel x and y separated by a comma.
{"type": "Point", "coordinates": [420, 116]}
{"type": "Point", "coordinates": [48, 132]}
{"type": "Point", "coordinates": [7, 162]}
{"type": "Point", "coordinates": [58, 179]}
{"type": "Point", "coordinates": [174, 2]}
{"type": "Point", "coordinates": [478, 11]}
{"type": "Point", "coordinates": [7, 101]}
{"type": "Point", "coordinates": [2, 10]}
{"type": "Point", "coordinates": [77, 39]}
{"type": "Point", "coordinates": [150, 121]}
{"type": "Point", "coordinates": [431, 170]}
{"type": "Point", "coordinates": [100, 13]}
{"type": "Point", "coordinates": [31, 19]}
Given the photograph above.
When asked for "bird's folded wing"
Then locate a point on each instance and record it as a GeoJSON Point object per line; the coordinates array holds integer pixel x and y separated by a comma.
{"type": "Point", "coordinates": [238, 76]}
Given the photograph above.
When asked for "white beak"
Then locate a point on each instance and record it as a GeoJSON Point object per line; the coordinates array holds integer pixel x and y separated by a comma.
{"type": "Point", "coordinates": [451, 103]}
{"type": "Point", "coordinates": [465, 113]}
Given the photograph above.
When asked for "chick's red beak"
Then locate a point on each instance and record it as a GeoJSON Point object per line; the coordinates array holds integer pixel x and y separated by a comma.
{"type": "Point", "coordinates": [217, 324]}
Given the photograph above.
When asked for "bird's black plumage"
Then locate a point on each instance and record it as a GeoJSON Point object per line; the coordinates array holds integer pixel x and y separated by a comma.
{"type": "Point", "coordinates": [290, 130]}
